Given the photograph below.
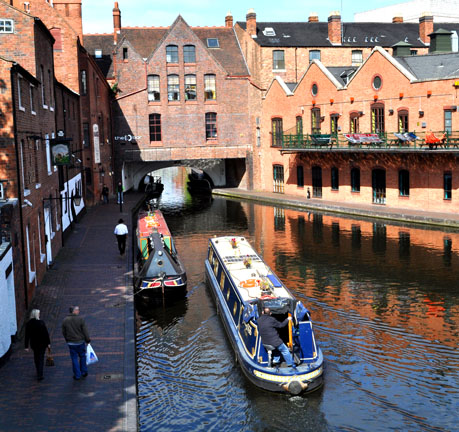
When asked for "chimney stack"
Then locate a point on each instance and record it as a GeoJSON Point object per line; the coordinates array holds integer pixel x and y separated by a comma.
{"type": "Point", "coordinates": [313, 17]}
{"type": "Point", "coordinates": [229, 20]}
{"type": "Point", "coordinates": [251, 19]}
{"type": "Point", "coordinates": [425, 27]}
{"type": "Point", "coordinates": [116, 21]}
{"type": "Point", "coordinates": [334, 28]}
{"type": "Point", "coordinates": [397, 19]}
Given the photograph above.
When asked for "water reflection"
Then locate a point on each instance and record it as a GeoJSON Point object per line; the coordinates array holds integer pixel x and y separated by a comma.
{"type": "Point", "coordinates": [384, 299]}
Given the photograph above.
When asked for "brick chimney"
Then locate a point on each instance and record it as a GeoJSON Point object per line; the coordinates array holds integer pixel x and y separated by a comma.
{"type": "Point", "coordinates": [71, 11]}
{"type": "Point", "coordinates": [116, 21]}
{"type": "Point", "coordinates": [313, 17]}
{"type": "Point", "coordinates": [229, 20]}
{"type": "Point", "coordinates": [334, 28]}
{"type": "Point", "coordinates": [425, 27]}
{"type": "Point", "coordinates": [397, 19]}
{"type": "Point", "coordinates": [251, 19]}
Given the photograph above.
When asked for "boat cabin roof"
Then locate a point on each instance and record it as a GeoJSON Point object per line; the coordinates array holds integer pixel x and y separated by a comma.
{"type": "Point", "coordinates": [252, 277]}
{"type": "Point", "coordinates": [152, 220]}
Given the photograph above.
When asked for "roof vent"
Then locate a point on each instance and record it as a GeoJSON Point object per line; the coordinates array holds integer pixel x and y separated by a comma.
{"type": "Point", "coordinates": [269, 31]}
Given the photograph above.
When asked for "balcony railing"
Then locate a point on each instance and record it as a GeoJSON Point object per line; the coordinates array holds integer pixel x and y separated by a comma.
{"type": "Point", "coordinates": [389, 140]}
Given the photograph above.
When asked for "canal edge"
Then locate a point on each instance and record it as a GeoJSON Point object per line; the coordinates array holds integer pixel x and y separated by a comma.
{"type": "Point", "coordinates": [352, 211]}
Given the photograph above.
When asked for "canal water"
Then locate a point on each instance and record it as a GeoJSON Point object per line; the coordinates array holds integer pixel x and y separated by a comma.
{"type": "Point", "coordinates": [384, 300]}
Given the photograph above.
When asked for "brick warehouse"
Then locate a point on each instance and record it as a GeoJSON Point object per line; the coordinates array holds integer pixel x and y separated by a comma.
{"type": "Point", "coordinates": [182, 95]}
{"type": "Point", "coordinates": [386, 95]}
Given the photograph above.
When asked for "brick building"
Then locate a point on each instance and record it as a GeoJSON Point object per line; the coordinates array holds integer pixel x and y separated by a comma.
{"type": "Point", "coordinates": [182, 94]}
{"type": "Point", "coordinates": [35, 111]}
{"type": "Point", "coordinates": [75, 68]}
{"type": "Point", "coordinates": [386, 95]}
{"type": "Point", "coordinates": [285, 49]}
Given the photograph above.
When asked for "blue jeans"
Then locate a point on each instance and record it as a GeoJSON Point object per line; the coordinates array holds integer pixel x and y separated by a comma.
{"type": "Point", "coordinates": [78, 356]}
{"type": "Point", "coordinates": [286, 354]}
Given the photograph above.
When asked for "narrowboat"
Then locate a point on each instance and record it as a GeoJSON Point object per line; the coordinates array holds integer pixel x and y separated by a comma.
{"type": "Point", "coordinates": [159, 270]}
{"type": "Point", "coordinates": [243, 286]}
{"type": "Point", "coordinates": [154, 188]}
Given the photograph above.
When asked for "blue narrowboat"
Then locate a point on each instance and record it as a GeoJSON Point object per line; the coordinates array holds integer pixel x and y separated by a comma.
{"type": "Point", "coordinates": [243, 285]}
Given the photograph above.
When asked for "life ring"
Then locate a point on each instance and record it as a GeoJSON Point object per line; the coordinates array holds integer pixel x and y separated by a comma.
{"type": "Point", "coordinates": [250, 283]}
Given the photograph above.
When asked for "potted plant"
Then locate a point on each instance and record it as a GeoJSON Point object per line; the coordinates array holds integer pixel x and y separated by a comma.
{"type": "Point", "coordinates": [233, 243]}
{"type": "Point", "coordinates": [247, 262]}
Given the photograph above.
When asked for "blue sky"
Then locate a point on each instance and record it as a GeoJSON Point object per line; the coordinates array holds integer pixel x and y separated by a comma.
{"type": "Point", "coordinates": [97, 14]}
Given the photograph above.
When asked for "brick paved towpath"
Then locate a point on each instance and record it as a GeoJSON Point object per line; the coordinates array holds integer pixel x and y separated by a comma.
{"type": "Point", "coordinates": [90, 273]}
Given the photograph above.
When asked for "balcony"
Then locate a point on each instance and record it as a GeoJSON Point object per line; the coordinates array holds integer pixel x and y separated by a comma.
{"type": "Point", "coordinates": [388, 142]}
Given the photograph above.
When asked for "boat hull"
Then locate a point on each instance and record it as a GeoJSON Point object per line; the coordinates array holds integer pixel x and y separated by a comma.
{"type": "Point", "coordinates": [271, 379]}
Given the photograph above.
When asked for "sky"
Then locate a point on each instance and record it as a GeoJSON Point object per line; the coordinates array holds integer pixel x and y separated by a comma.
{"type": "Point", "coordinates": [98, 18]}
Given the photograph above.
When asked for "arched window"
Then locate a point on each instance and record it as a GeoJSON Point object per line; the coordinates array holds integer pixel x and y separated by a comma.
{"type": "Point", "coordinates": [276, 132]}
{"type": "Point", "coordinates": [210, 90]}
{"type": "Point", "coordinates": [189, 54]}
{"type": "Point", "coordinates": [315, 121]}
{"type": "Point", "coordinates": [153, 88]}
{"type": "Point", "coordinates": [403, 121]}
{"type": "Point", "coordinates": [173, 88]}
{"type": "Point", "coordinates": [377, 118]}
{"type": "Point", "coordinates": [354, 122]}
{"type": "Point", "coordinates": [190, 87]}
{"type": "Point", "coordinates": [172, 54]}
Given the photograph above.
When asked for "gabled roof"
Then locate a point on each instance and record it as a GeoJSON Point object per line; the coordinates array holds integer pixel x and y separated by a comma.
{"type": "Point", "coordinates": [360, 34]}
{"type": "Point", "coordinates": [145, 41]}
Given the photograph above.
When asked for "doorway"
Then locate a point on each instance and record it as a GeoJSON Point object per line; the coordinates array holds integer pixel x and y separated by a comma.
{"type": "Point", "coordinates": [379, 186]}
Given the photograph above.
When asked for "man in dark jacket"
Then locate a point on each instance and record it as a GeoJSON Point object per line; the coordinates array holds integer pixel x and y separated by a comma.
{"type": "Point", "coordinates": [36, 334]}
{"type": "Point", "coordinates": [267, 327]}
{"type": "Point", "coordinates": [76, 335]}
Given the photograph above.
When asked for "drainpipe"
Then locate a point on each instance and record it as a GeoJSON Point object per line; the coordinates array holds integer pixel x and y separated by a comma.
{"type": "Point", "coordinates": [296, 67]}
{"type": "Point", "coordinates": [18, 174]}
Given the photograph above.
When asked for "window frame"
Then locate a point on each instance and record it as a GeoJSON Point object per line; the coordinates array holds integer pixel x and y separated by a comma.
{"type": "Point", "coordinates": [403, 121]}
{"type": "Point", "coordinates": [300, 175]}
{"type": "Point", "coordinates": [20, 79]}
{"type": "Point", "coordinates": [354, 54]}
{"type": "Point", "coordinates": [377, 119]}
{"type": "Point", "coordinates": [154, 124]}
{"type": "Point", "coordinates": [355, 180]}
{"type": "Point", "coordinates": [192, 87]}
{"type": "Point", "coordinates": [276, 131]}
{"type": "Point", "coordinates": [211, 126]}
{"type": "Point", "coordinates": [447, 185]}
{"type": "Point", "coordinates": [314, 55]}
{"type": "Point", "coordinates": [334, 178]}
{"type": "Point", "coordinates": [278, 63]}
{"type": "Point", "coordinates": [32, 99]}
{"type": "Point", "coordinates": [173, 88]}
{"type": "Point", "coordinates": [172, 54]}
{"type": "Point", "coordinates": [3, 23]}
{"type": "Point", "coordinates": [186, 53]}
{"type": "Point", "coordinates": [404, 183]}
{"type": "Point", "coordinates": [98, 53]}
{"type": "Point", "coordinates": [153, 88]}
{"type": "Point", "coordinates": [317, 182]}
{"type": "Point", "coordinates": [84, 82]}
{"type": "Point", "coordinates": [210, 85]}
{"type": "Point", "coordinates": [217, 43]}
{"type": "Point", "coordinates": [315, 120]}
{"type": "Point", "coordinates": [448, 128]}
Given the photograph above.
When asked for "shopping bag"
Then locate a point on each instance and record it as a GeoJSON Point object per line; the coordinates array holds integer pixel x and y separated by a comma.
{"type": "Point", "coordinates": [90, 355]}
{"type": "Point", "coordinates": [49, 358]}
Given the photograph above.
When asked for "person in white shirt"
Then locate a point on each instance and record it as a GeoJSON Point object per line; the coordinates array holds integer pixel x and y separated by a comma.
{"type": "Point", "coordinates": [121, 232]}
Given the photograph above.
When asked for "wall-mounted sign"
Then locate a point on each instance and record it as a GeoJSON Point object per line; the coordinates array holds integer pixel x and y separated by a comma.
{"type": "Point", "coordinates": [60, 152]}
{"type": "Point", "coordinates": [95, 133]}
{"type": "Point", "coordinates": [127, 138]}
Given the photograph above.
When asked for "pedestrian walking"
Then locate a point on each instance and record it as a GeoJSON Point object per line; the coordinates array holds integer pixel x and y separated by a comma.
{"type": "Point", "coordinates": [119, 190]}
{"type": "Point", "coordinates": [76, 335]}
{"type": "Point", "coordinates": [36, 334]}
{"type": "Point", "coordinates": [121, 232]}
{"type": "Point", "coordinates": [105, 194]}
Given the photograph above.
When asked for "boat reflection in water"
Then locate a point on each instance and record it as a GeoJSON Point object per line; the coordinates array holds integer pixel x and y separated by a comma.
{"type": "Point", "coordinates": [243, 285]}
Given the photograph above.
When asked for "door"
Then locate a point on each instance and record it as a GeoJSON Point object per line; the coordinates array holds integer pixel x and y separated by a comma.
{"type": "Point", "coordinates": [278, 178]}
{"type": "Point", "coordinates": [48, 230]}
{"type": "Point", "coordinates": [379, 186]}
{"type": "Point", "coordinates": [317, 182]}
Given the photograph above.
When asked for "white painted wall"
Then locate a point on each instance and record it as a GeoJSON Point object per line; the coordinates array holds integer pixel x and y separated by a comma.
{"type": "Point", "coordinates": [71, 188]}
{"type": "Point", "coordinates": [8, 324]}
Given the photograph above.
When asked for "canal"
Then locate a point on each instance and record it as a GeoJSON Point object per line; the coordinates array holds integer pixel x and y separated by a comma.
{"type": "Point", "coordinates": [384, 300]}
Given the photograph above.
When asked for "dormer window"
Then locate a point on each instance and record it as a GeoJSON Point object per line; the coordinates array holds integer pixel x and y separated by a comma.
{"type": "Point", "coordinates": [269, 31]}
{"type": "Point", "coordinates": [98, 53]}
{"type": "Point", "coordinates": [6, 25]}
{"type": "Point", "coordinates": [212, 43]}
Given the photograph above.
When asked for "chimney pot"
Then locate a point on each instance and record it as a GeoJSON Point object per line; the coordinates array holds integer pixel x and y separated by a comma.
{"type": "Point", "coordinates": [334, 28]}
{"type": "Point", "coordinates": [251, 22]}
{"type": "Point", "coordinates": [313, 17]}
{"type": "Point", "coordinates": [229, 20]}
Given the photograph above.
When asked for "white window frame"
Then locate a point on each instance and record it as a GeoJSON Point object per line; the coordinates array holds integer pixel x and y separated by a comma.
{"type": "Point", "coordinates": [31, 273]}
{"type": "Point", "coordinates": [20, 79]}
{"type": "Point", "coordinates": [356, 57]}
{"type": "Point", "coordinates": [48, 154]}
{"type": "Point", "coordinates": [42, 255]}
{"type": "Point", "coordinates": [98, 53]}
{"type": "Point", "coordinates": [32, 100]}
{"type": "Point", "coordinates": [3, 25]}
{"type": "Point", "coordinates": [152, 89]}
{"type": "Point", "coordinates": [43, 89]}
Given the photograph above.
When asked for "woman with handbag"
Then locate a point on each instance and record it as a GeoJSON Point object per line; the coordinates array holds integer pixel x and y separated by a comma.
{"type": "Point", "coordinates": [36, 334]}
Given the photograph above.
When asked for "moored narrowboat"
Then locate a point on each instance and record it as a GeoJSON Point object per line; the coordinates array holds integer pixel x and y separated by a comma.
{"type": "Point", "coordinates": [159, 269]}
{"type": "Point", "coordinates": [244, 286]}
